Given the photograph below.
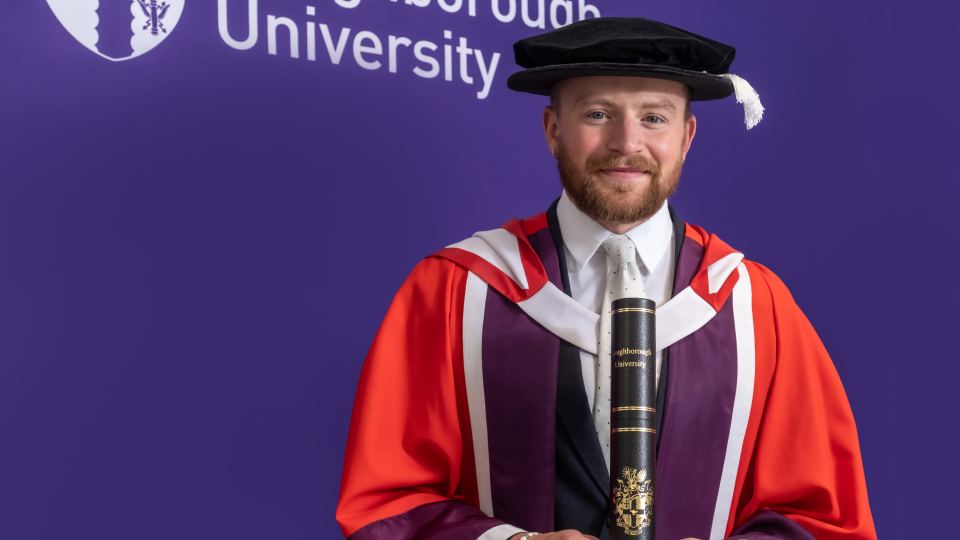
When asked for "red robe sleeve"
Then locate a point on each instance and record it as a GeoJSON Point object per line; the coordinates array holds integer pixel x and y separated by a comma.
{"type": "Point", "coordinates": [801, 457]}
{"type": "Point", "coordinates": [408, 470]}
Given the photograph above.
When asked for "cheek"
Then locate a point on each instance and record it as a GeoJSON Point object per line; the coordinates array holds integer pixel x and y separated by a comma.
{"type": "Point", "coordinates": [665, 149]}
{"type": "Point", "coordinates": [583, 143]}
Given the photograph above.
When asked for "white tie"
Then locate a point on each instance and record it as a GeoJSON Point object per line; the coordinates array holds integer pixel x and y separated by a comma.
{"type": "Point", "coordinates": [623, 281]}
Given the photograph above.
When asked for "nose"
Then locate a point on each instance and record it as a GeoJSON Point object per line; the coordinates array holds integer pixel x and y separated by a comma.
{"type": "Point", "coordinates": [625, 136]}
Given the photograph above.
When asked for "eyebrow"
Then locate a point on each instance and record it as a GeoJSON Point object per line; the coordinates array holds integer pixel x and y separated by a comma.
{"type": "Point", "coordinates": [649, 104]}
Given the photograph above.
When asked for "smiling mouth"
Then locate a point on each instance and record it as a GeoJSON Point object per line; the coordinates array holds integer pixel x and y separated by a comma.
{"type": "Point", "coordinates": [624, 173]}
{"type": "Point", "coordinates": [625, 170]}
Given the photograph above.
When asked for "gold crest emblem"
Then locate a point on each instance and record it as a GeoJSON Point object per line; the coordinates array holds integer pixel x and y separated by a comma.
{"type": "Point", "coordinates": [633, 501]}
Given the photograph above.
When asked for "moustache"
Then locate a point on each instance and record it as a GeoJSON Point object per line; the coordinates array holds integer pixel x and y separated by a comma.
{"type": "Point", "coordinates": [620, 162]}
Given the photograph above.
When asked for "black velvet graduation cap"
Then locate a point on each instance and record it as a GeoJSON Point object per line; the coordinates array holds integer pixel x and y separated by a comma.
{"type": "Point", "coordinates": [632, 46]}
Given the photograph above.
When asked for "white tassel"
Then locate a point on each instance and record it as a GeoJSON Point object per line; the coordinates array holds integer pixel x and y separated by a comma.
{"type": "Point", "coordinates": [745, 94]}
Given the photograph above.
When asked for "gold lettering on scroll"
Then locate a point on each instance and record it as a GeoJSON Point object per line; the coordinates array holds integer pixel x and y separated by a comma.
{"type": "Point", "coordinates": [625, 351]}
{"type": "Point", "coordinates": [633, 501]}
{"type": "Point", "coordinates": [622, 363]}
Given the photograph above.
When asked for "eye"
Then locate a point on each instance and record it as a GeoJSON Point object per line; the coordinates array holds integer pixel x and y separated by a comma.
{"type": "Point", "coordinates": [653, 119]}
{"type": "Point", "coordinates": [596, 115]}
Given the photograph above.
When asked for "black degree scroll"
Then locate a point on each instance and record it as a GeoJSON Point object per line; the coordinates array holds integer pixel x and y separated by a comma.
{"type": "Point", "coordinates": [633, 399]}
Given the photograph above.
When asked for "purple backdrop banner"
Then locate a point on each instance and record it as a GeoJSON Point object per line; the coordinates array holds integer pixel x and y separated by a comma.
{"type": "Point", "coordinates": [190, 190]}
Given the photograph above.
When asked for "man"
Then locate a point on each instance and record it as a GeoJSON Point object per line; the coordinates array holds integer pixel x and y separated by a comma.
{"type": "Point", "coordinates": [482, 405]}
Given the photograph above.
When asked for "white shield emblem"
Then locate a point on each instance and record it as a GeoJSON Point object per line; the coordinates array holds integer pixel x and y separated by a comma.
{"type": "Point", "coordinates": [151, 22]}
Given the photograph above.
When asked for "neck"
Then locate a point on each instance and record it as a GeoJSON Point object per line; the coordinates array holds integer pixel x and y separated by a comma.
{"type": "Point", "coordinates": [619, 228]}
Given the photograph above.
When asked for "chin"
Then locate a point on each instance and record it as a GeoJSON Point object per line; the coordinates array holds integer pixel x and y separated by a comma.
{"type": "Point", "coordinates": [639, 183]}
{"type": "Point", "coordinates": [625, 196]}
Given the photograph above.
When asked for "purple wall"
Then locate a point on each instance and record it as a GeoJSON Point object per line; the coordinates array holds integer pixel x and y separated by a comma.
{"type": "Point", "coordinates": [182, 315]}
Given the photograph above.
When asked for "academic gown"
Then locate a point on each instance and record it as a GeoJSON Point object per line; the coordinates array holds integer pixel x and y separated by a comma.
{"type": "Point", "coordinates": [468, 422]}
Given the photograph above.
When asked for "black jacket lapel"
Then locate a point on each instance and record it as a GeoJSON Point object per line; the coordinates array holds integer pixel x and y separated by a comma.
{"type": "Point", "coordinates": [573, 410]}
{"type": "Point", "coordinates": [679, 234]}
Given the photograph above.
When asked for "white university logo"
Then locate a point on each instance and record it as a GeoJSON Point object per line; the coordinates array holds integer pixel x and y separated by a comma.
{"type": "Point", "coordinates": [118, 29]}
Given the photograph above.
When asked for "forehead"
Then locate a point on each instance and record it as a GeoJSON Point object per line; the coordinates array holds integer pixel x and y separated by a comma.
{"type": "Point", "coordinates": [619, 89]}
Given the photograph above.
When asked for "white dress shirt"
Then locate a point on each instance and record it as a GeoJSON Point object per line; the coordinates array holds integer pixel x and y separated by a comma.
{"type": "Point", "coordinates": [587, 265]}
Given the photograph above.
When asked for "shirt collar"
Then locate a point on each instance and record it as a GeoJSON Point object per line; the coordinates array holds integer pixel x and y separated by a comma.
{"type": "Point", "coordinates": [583, 236]}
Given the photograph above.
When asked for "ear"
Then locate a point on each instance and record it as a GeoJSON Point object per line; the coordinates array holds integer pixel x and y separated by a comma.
{"type": "Point", "coordinates": [550, 131]}
{"type": "Point", "coordinates": [689, 131]}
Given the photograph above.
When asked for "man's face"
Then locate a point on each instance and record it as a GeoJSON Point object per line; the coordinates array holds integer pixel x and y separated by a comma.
{"type": "Point", "coordinates": [620, 143]}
